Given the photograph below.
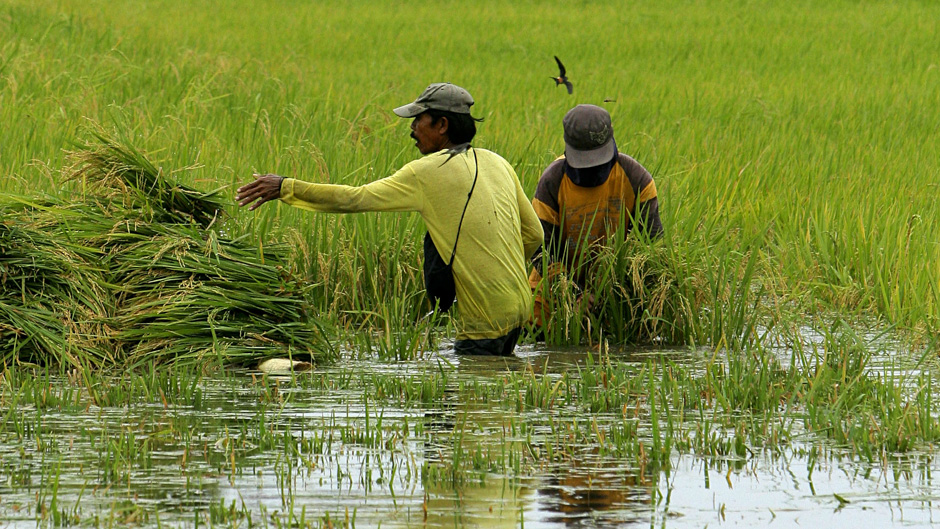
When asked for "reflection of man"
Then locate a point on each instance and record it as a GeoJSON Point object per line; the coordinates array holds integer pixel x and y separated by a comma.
{"type": "Point", "coordinates": [606, 498]}
{"type": "Point", "coordinates": [585, 196]}
{"type": "Point", "coordinates": [457, 189]}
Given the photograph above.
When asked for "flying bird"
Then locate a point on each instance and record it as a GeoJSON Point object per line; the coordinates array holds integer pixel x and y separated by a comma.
{"type": "Point", "coordinates": [458, 149]}
{"type": "Point", "coordinates": [562, 77]}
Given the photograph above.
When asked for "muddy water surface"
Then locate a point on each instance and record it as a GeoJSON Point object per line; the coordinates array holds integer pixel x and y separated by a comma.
{"type": "Point", "coordinates": [435, 442]}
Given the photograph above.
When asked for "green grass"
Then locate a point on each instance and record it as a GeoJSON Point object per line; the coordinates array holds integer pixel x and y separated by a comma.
{"type": "Point", "coordinates": [789, 137]}
{"type": "Point", "coordinates": [139, 271]}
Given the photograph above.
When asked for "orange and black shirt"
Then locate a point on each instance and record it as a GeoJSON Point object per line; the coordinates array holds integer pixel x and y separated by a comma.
{"type": "Point", "coordinates": [582, 207]}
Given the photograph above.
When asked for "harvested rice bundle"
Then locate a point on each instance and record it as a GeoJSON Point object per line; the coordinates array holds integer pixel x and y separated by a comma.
{"type": "Point", "coordinates": [126, 179]}
{"type": "Point", "coordinates": [182, 297]}
{"type": "Point", "coordinates": [54, 302]}
{"type": "Point", "coordinates": [137, 274]}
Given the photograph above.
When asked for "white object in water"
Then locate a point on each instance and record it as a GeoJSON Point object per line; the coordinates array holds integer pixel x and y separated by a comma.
{"type": "Point", "coordinates": [283, 366]}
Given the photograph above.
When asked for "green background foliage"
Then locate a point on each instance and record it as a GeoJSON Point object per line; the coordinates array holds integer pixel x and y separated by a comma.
{"type": "Point", "coordinates": [804, 132]}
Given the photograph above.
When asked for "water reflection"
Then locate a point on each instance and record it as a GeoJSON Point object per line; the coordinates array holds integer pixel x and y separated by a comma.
{"type": "Point", "coordinates": [578, 497]}
{"type": "Point", "coordinates": [493, 502]}
{"type": "Point", "coordinates": [306, 451]}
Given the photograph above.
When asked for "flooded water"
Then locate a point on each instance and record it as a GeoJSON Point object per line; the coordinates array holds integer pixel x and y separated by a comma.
{"type": "Point", "coordinates": [438, 442]}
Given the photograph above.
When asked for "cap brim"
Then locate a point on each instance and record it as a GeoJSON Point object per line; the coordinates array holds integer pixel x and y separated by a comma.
{"type": "Point", "coordinates": [410, 110]}
{"type": "Point", "coordinates": [599, 156]}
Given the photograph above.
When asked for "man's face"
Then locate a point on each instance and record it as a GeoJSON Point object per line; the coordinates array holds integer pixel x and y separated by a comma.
{"type": "Point", "coordinates": [429, 136]}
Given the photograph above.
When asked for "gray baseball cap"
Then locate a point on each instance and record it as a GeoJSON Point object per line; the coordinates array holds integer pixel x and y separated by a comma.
{"type": "Point", "coordinates": [589, 136]}
{"type": "Point", "coordinates": [439, 96]}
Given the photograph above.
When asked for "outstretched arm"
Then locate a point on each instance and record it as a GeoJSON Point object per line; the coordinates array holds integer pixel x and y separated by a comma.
{"type": "Point", "coordinates": [399, 192]}
{"type": "Point", "coordinates": [265, 188]}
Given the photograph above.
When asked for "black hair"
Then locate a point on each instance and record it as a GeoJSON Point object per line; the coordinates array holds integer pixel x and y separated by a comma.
{"type": "Point", "coordinates": [461, 128]}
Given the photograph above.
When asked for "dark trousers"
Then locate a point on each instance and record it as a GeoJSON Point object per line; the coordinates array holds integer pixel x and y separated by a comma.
{"type": "Point", "coordinates": [502, 346]}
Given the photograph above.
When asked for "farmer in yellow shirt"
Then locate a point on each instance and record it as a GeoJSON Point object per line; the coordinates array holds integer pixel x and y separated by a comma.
{"type": "Point", "coordinates": [479, 219]}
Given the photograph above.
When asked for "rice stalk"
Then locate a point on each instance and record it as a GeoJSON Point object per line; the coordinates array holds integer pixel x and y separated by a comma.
{"type": "Point", "coordinates": [139, 274]}
{"type": "Point", "coordinates": [116, 172]}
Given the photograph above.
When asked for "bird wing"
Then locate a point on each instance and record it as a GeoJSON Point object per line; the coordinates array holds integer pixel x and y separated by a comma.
{"type": "Point", "coordinates": [458, 149]}
{"type": "Point", "coordinates": [569, 86]}
{"type": "Point", "coordinates": [561, 67]}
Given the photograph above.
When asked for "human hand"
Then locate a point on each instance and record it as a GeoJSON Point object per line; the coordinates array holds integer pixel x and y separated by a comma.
{"type": "Point", "coordinates": [265, 187]}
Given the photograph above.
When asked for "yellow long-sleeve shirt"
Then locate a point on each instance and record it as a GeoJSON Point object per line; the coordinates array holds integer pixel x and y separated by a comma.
{"type": "Point", "coordinates": [500, 230]}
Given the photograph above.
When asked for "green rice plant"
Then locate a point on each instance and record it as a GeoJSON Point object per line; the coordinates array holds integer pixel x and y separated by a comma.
{"type": "Point", "coordinates": [646, 301]}
{"type": "Point", "coordinates": [797, 178]}
{"type": "Point", "coordinates": [605, 386]}
{"type": "Point", "coordinates": [145, 282]}
{"type": "Point", "coordinates": [230, 514]}
{"type": "Point", "coordinates": [184, 298]}
{"type": "Point", "coordinates": [427, 388]}
{"type": "Point", "coordinates": [112, 170]}
{"type": "Point", "coordinates": [722, 152]}
{"type": "Point", "coordinates": [42, 389]}
{"type": "Point", "coordinates": [54, 300]}
{"type": "Point", "coordinates": [386, 333]}
{"type": "Point", "coordinates": [670, 291]}
{"type": "Point", "coordinates": [367, 268]}
{"type": "Point", "coordinates": [874, 413]}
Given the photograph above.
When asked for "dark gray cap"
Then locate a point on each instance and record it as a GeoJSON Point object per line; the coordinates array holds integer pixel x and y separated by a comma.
{"type": "Point", "coordinates": [439, 96]}
{"type": "Point", "coordinates": [589, 136]}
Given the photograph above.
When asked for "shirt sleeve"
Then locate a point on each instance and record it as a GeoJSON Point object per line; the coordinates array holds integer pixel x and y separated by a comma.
{"type": "Point", "coordinates": [647, 203]}
{"type": "Point", "coordinates": [398, 192]}
{"type": "Point", "coordinates": [648, 219]}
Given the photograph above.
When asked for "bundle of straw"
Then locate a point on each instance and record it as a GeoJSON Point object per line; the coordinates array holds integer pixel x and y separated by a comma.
{"type": "Point", "coordinates": [54, 300]}
{"type": "Point", "coordinates": [138, 274]}
{"type": "Point", "coordinates": [183, 296]}
{"type": "Point", "coordinates": [123, 176]}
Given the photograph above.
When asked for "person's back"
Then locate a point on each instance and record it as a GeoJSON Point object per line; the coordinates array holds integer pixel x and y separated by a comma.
{"type": "Point", "coordinates": [490, 259]}
{"type": "Point", "coordinates": [498, 229]}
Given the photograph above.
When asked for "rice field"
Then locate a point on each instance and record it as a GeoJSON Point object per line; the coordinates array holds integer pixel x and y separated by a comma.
{"type": "Point", "coordinates": [772, 358]}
